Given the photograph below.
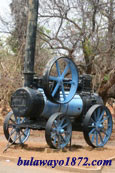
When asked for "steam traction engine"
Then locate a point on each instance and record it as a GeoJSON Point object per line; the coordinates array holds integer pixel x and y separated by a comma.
{"type": "Point", "coordinates": [59, 102]}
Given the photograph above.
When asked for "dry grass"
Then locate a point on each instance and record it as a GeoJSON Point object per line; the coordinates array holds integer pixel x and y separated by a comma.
{"type": "Point", "coordinates": [10, 79]}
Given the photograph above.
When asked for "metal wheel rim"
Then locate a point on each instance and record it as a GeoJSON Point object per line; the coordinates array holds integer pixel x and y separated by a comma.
{"type": "Point", "coordinates": [12, 133]}
{"type": "Point", "coordinates": [59, 133]}
{"type": "Point", "coordinates": [99, 127]}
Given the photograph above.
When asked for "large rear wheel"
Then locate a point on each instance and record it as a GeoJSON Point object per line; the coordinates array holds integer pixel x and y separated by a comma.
{"type": "Point", "coordinates": [97, 126]}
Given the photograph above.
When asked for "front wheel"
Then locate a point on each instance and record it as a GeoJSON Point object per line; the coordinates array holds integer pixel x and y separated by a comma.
{"type": "Point", "coordinates": [12, 132]}
{"type": "Point", "coordinates": [58, 131]}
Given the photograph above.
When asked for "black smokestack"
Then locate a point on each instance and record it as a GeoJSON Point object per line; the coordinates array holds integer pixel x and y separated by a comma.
{"type": "Point", "coordinates": [30, 43]}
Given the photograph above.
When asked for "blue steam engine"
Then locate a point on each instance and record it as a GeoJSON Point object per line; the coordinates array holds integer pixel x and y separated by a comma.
{"type": "Point", "coordinates": [59, 102]}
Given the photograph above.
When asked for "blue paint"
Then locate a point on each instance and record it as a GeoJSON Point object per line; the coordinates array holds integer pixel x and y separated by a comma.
{"type": "Point", "coordinates": [60, 131]}
{"type": "Point", "coordinates": [63, 132]}
{"type": "Point", "coordinates": [15, 132]}
{"type": "Point", "coordinates": [60, 81]}
{"type": "Point", "coordinates": [73, 108]}
{"type": "Point", "coordinates": [101, 127]}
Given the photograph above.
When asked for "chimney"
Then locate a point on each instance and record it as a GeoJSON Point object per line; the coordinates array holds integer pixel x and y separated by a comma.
{"type": "Point", "coordinates": [30, 43]}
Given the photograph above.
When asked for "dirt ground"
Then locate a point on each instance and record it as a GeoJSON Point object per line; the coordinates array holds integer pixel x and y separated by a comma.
{"type": "Point", "coordinates": [37, 147]}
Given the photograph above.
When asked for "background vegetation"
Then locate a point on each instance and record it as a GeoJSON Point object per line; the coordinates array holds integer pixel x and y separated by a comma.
{"type": "Point", "coordinates": [82, 30]}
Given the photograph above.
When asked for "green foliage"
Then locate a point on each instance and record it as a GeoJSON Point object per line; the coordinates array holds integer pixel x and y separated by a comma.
{"type": "Point", "coordinates": [3, 48]}
{"type": "Point", "coordinates": [1, 44]}
{"type": "Point", "coordinates": [87, 48]}
{"type": "Point", "coordinates": [44, 29]}
{"type": "Point", "coordinates": [13, 44]}
{"type": "Point", "coordinates": [106, 77]}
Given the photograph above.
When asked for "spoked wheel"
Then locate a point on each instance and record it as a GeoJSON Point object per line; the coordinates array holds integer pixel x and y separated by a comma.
{"type": "Point", "coordinates": [12, 133]}
{"type": "Point", "coordinates": [60, 78]}
{"type": "Point", "coordinates": [97, 126]}
{"type": "Point", "coordinates": [58, 131]}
